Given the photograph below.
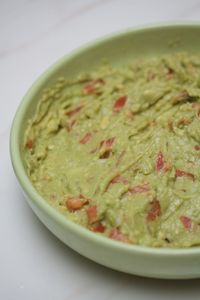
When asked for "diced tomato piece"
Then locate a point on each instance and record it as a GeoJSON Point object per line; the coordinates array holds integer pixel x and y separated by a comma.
{"type": "Point", "coordinates": [197, 147]}
{"type": "Point", "coordinates": [85, 138]}
{"type": "Point", "coordinates": [74, 111]}
{"type": "Point", "coordinates": [92, 214]}
{"type": "Point", "coordinates": [106, 148]}
{"type": "Point", "coordinates": [160, 162]}
{"type": "Point", "coordinates": [116, 234]}
{"type": "Point", "coordinates": [140, 188]}
{"type": "Point", "coordinates": [154, 211]}
{"type": "Point", "coordinates": [187, 222]}
{"type": "Point", "coordinates": [107, 143]}
{"type": "Point", "coordinates": [91, 87]}
{"type": "Point", "coordinates": [29, 144]}
{"type": "Point", "coordinates": [99, 227]}
{"type": "Point", "coordinates": [180, 173]}
{"type": "Point", "coordinates": [119, 179]}
{"type": "Point", "coordinates": [119, 104]}
{"type": "Point", "coordinates": [76, 202]}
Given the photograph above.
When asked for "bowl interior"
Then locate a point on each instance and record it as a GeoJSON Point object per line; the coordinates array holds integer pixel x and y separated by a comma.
{"type": "Point", "coordinates": [117, 49]}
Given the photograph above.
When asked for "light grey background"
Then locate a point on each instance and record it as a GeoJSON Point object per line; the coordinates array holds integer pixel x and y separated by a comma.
{"type": "Point", "coordinates": [34, 34]}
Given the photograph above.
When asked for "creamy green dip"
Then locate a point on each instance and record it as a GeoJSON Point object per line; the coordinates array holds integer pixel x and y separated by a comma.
{"type": "Point", "coordinates": [118, 150]}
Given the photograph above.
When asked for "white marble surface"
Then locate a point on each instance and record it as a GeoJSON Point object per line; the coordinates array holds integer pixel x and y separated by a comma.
{"type": "Point", "coordinates": [33, 34]}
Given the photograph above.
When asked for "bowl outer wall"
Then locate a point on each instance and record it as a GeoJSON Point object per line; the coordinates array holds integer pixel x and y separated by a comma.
{"type": "Point", "coordinates": [118, 49]}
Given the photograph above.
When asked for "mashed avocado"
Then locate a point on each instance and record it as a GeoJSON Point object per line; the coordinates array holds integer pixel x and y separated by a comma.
{"type": "Point", "coordinates": [118, 150]}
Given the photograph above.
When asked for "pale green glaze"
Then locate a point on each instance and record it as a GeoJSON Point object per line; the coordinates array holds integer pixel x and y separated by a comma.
{"type": "Point", "coordinates": [120, 48]}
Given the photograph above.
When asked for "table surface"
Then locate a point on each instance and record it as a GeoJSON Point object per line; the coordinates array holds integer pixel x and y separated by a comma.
{"type": "Point", "coordinates": [33, 263]}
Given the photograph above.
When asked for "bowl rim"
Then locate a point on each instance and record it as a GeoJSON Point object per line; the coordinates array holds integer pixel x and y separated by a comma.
{"type": "Point", "coordinates": [24, 180]}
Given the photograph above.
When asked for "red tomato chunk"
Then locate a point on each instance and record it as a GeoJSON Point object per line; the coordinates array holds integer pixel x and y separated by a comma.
{"type": "Point", "coordinates": [119, 104]}
{"type": "Point", "coordinates": [155, 210]}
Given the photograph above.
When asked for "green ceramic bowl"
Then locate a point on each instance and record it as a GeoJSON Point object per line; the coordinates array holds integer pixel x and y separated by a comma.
{"type": "Point", "coordinates": [118, 48]}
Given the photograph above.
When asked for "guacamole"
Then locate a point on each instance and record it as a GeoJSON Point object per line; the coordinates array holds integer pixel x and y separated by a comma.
{"type": "Point", "coordinates": [117, 150]}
